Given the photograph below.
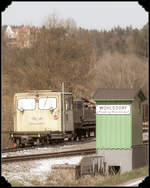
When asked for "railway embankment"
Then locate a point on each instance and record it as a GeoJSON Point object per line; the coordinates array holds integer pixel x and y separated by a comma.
{"type": "Point", "coordinates": [38, 173]}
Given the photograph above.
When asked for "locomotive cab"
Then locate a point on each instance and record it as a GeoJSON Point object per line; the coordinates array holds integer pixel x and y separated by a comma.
{"type": "Point", "coordinates": [41, 116]}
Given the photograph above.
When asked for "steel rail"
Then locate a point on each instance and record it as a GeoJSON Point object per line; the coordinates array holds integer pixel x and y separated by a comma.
{"type": "Point", "coordinates": [5, 150]}
{"type": "Point", "coordinates": [49, 155]}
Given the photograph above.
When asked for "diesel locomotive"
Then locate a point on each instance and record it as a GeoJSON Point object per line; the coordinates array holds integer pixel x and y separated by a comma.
{"type": "Point", "coordinates": [43, 116]}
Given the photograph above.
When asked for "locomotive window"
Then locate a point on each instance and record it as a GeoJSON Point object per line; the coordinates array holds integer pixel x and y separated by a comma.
{"type": "Point", "coordinates": [66, 105]}
{"type": "Point", "coordinates": [69, 104]}
{"type": "Point", "coordinates": [26, 104]}
{"type": "Point", "coordinates": [47, 103]}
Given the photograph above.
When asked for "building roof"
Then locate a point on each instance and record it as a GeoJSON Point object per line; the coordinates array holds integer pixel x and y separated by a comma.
{"type": "Point", "coordinates": [21, 29]}
{"type": "Point", "coordinates": [14, 30]}
{"type": "Point", "coordinates": [118, 94]}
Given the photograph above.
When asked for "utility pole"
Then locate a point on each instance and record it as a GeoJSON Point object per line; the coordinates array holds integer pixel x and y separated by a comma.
{"type": "Point", "coordinates": [63, 100]}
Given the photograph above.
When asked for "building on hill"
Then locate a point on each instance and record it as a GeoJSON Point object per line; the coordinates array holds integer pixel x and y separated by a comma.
{"type": "Point", "coordinates": [21, 37]}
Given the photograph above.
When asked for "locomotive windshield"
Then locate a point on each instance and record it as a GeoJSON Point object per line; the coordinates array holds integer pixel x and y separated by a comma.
{"type": "Point", "coordinates": [26, 104]}
{"type": "Point", "coordinates": [47, 103]}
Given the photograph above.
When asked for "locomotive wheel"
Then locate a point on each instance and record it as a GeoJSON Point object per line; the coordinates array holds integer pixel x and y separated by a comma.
{"type": "Point", "coordinates": [18, 142]}
{"type": "Point", "coordinates": [23, 145]}
{"type": "Point", "coordinates": [42, 141]}
{"type": "Point", "coordinates": [48, 141]}
{"type": "Point", "coordinates": [79, 137]}
{"type": "Point", "coordinates": [38, 141]}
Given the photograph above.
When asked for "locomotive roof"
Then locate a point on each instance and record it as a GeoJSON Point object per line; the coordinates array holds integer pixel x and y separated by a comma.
{"type": "Point", "coordinates": [26, 92]}
{"type": "Point", "coordinates": [85, 100]}
{"type": "Point", "coordinates": [120, 94]}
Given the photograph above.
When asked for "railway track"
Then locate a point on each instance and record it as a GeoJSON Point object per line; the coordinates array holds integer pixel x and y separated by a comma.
{"type": "Point", "coordinates": [5, 150]}
{"type": "Point", "coordinates": [49, 155]}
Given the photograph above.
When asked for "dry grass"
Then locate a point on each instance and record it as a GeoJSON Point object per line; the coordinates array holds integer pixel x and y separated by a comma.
{"type": "Point", "coordinates": [57, 180]}
{"type": "Point", "coordinates": [97, 180]}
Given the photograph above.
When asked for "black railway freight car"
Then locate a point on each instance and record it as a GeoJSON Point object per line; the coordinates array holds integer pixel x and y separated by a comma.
{"type": "Point", "coordinates": [84, 117]}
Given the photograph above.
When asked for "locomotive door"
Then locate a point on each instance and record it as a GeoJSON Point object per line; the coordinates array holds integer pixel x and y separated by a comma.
{"type": "Point", "coordinates": [68, 113]}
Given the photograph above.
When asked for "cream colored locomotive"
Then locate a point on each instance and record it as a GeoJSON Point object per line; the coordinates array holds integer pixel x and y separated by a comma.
{"type": "Point", "coordinates": [41, 116]}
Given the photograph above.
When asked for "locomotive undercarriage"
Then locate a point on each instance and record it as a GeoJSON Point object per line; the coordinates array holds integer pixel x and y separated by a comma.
{"type": "Point", "coordinates": [42, 138]}
{"type": "Point", "coordinates": [84, 130]}
{"type": "Point", "coordinates": [22, 139]}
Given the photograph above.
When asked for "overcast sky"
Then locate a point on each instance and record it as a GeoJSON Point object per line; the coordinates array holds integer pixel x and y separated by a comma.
{"type": "Point", "coordinates": [88, 15]}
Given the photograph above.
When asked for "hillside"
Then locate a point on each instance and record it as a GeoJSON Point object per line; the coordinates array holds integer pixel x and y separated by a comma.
{"type": "Point", "coordinates": [83, 59]}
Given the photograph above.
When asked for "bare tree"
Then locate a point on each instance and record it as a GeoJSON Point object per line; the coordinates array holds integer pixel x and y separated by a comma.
{"type": "Point", "coordinates": [53, 21]}
{"type": "Point", "coordinates": [120, 71]}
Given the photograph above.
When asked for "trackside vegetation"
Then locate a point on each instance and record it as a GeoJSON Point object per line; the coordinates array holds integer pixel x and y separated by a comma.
{"type": "Point", "coordinates": [97, 180]}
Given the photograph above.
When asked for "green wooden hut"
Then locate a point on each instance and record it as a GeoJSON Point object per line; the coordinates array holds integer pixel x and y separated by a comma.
{"type": "Point", "coordinates": [119, 125]}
